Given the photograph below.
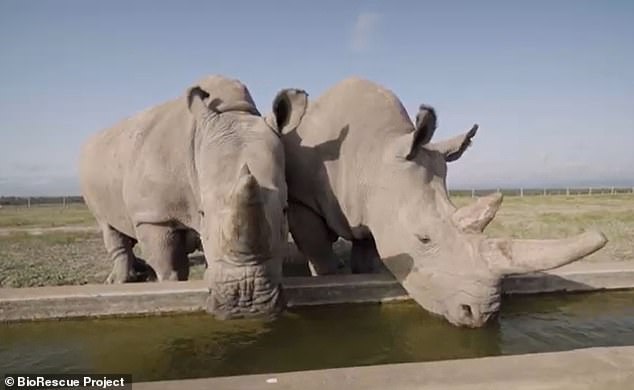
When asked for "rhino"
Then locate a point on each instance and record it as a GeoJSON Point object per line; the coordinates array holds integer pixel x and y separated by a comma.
{"type": "Point", "coordinates": [358, 168]}
{"type": "Point", "coordinates": [204, 168]}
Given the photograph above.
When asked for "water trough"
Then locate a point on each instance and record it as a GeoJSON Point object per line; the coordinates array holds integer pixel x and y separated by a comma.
{"type": "Point", "coordinates": [193, 345]}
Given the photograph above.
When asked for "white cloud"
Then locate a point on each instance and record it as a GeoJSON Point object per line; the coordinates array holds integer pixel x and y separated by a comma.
{"type": "Point", "coordinates": [364, 31]}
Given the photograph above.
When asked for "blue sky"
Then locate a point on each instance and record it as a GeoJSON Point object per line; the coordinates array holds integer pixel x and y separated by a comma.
{"type": "Point", "coordinates": [551, 83]}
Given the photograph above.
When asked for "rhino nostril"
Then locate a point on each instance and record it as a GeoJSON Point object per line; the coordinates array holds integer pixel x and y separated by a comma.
{"type": "Point", "coordinates": [425, 239]}
{"type": "Point", "coordinates": [466, 310]}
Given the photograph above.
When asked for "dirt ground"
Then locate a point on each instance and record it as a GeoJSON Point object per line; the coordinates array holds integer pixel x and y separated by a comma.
{"type": "Point", "coordinates": [51, 245]}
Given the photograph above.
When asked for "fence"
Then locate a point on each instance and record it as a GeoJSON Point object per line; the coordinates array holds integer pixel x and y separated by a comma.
{"type": "Point", "coordinates": [567, 191]}
{"type": "Point", "coordinates": [33, 201]}
{"type": "Point", "coordinates": [66, 201]}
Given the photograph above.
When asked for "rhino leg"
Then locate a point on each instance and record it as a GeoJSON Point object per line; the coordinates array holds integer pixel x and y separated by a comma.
{"type": "Point", "coordinates": [314, 239]}
{"type": "Point", "coordinates": [119, 248]}
{"type": "Point", "coordinates": [165, 250]}
{"type": "Point", "coordinates": [364, 257]}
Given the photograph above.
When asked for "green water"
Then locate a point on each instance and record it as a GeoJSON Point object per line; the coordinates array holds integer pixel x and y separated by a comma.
{"type": "Point", "coordinates": [311, 338]}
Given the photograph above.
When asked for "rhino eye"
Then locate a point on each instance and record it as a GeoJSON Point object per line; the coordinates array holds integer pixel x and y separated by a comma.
{"type": "Point", "coordinates": [202, 213]}
{"type": "Point", "coordinates": [424, 238]}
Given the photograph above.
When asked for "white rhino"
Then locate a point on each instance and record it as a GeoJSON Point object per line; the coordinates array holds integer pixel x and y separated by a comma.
{"type": "Point", "coordinates": [207, 164]}
{"type": "Point", "coordinates": [358, 168]}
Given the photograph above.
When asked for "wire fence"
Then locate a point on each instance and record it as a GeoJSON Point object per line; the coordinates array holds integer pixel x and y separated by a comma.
{"type": "Point", "coordinates": [562, 191]}
{"type": "Point", "coordinates": [68, 201]}
{"type": "Point", "coordinates": [41, 201]}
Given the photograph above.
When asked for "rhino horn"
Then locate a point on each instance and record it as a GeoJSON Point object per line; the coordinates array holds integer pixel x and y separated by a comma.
{"type": "Point", "coordinates": [521, 256]}
{"type": "Point", "coordinates": [246, 232]}
{"type": "Point", "coordinates": [476, 216]}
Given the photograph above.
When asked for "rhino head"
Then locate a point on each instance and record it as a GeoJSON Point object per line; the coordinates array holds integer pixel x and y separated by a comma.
{"type": "Point", "coordinates": [438, 251]}
{"type": "Point", "coordinates": [239, 174]}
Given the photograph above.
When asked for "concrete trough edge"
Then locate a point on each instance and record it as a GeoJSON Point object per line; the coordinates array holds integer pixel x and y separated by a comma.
{"type": "Point", "coordinates": [576, 277]}
{"type": "Point", "coordinates": [588, 368]}
{"type": "Point", "coordinates": [39, 303]}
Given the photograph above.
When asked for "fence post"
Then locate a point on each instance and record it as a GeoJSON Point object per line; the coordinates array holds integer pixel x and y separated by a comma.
{"type": "Point", "coordinates": [612, 191]}
{"type": "Point", "coordinates": [28, 202]}
{"type": "Point", "coordinates": [589, 190]}
{"type": "Point", "coordinates": [473, 192]}
{"type": "Point", "coordinates": [544, 192]}
{"type": "Point", "coordinates": [567, 191]}
{"type": "Point", "coordinates": [521, 192]}
{"type": "Point", "coordinates": [64, 202]}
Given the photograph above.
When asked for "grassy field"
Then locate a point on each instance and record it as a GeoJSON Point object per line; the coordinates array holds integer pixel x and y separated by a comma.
{"type": "Point", "coordinates": [561, 216]}
{"type": "Point", "coordinates": [15, 217]}
{"type": "Point", "coordinates": [49, 245]}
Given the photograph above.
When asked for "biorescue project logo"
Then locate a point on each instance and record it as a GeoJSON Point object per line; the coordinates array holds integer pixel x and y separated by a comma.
{"type": "Point", "coordinates": [75, 381]}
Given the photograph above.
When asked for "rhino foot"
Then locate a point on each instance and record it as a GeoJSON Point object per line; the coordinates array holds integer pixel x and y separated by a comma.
{"type": "Point", "coordinates": [142, 272]}
{"type": "Point", "coordinates": [139, 272]}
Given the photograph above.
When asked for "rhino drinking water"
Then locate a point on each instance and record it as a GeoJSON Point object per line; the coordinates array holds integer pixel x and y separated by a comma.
{"type": "Point", "coordinates": [358, 168]}
{"type": "Point", "coordinates": [203, 164]}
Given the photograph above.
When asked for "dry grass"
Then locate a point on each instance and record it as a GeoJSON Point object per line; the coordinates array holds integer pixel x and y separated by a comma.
{"type": "Point", "coordinates": [561, 216]}
{"type": "Point", "coordinates": [57, 258]}
{"type": "Point", "coordinates": [53, 246]}
{"type": "Point", "coordinates": [12, 217]}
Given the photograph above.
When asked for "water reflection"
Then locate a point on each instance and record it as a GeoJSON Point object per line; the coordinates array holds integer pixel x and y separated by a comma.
{"type": "Point", "coordinates": [561, 322]}
{"type": "Point", "coordinates": [311, 338]}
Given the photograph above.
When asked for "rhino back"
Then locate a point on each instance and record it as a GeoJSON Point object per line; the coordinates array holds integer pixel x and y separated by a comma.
{"type": "Point", "coordinates": [334, 157]}
{"type": "Point", "coordinates": [369, 109]}
{"type": "Point", "coordinates": [138, 168]}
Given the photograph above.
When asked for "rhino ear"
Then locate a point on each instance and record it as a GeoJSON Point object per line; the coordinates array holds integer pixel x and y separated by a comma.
{"type": "Point", "coordinates": [426, 122]}
{"type": "Point", "coordinates": [289, 107]}
{"type": "Point", "coordinates": [195, 102]}
{"type": "Point", "coordinates": [453, 148]}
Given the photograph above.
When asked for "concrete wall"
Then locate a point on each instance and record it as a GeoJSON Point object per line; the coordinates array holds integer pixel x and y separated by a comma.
{"type": "Point", "coordinates": [583, 369]}
{"type": "Point", "coordinates": [18, 304]}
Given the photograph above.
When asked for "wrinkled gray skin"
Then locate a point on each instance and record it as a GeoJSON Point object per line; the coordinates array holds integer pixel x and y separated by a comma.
{"type": "Point", "coordinates": [358, 168]}
{"type": "Point", "coordinates": [203, 165]}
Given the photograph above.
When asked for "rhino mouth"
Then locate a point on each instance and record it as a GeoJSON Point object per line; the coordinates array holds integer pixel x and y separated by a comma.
{"type": "Point", "coordinates": [461, 301]}
{"type": "Point", "coordinates": [244, 291]}
{"type": "Point", "coordinates": [472, 315]}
